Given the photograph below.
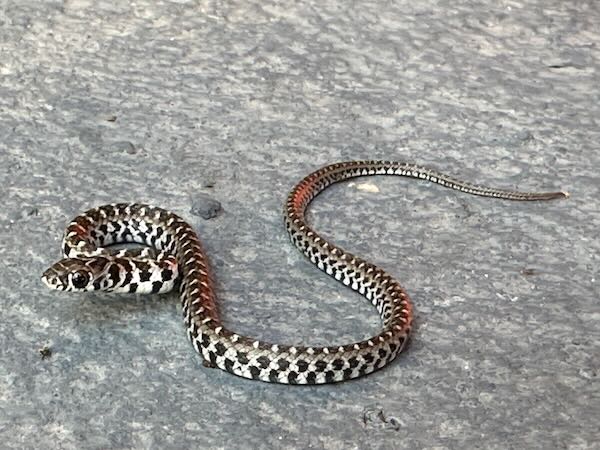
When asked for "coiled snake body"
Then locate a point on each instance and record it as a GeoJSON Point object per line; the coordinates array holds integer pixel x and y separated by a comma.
{"type": "Point", "coordinates": [175, 254]}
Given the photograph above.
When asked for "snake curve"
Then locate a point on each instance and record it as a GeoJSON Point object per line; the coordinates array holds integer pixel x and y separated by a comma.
{"type": "Point", "coordinates": [175, 254]}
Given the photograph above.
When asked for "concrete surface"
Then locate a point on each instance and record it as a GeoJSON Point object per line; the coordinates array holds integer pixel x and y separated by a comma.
{"type": "Point", "coordinates": [172, 102]}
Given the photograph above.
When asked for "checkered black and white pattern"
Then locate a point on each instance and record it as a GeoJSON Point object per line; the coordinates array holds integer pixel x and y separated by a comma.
{"type": "Point", "coordinates": [175, 255]}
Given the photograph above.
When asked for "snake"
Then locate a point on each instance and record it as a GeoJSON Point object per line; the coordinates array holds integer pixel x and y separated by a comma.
{"type": "Point", "coordinates": [171, 254]}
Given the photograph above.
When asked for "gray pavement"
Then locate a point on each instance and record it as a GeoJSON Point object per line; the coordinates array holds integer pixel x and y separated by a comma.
{"type": "Point", "coordinates": [188, 104]}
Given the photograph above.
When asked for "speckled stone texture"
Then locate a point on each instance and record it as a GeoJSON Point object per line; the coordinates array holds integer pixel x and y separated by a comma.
{"type": "Point", "coordinates": [180, 102]}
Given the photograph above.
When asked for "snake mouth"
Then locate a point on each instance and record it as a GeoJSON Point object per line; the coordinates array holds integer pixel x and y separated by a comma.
{"type": "Point", "coordinates": [52, 281]}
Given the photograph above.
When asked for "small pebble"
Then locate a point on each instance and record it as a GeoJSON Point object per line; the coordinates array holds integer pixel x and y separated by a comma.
{"type": "Point", "coordinates": [367, 187]}
{"type": "Point", "coordinates": [45, 352]}
{"type": "Point", "coordinates": [123, 146]}
{"type": "Point", "coordinates": [525, 136]}
{"type": "Point", "coordinates": [205, 207]}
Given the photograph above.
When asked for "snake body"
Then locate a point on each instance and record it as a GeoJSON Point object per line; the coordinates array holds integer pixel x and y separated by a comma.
{"type": "Point", "coordinates": [175, 255]}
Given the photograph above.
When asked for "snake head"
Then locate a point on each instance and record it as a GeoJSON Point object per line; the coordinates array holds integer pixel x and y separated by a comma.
{"type": "Point", "coordinates": [70, 274]}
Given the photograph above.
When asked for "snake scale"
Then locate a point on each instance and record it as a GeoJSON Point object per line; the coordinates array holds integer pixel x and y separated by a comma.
{"type": "Point", "coordinates": [174, 255]}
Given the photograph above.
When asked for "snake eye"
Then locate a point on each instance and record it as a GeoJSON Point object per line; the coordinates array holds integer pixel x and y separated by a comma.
{"type": "Point", "coordinates": [80, 279]}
